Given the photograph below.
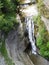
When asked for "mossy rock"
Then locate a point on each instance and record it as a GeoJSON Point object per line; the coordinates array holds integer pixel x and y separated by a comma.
{"type": "Point", "coordinates": [43, 9]}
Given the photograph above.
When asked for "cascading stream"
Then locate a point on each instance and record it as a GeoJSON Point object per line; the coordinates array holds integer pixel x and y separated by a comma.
{"type": "Point", "coordinates": [30, 29]}
{"type": "Point", "coordinates": [28, 12]}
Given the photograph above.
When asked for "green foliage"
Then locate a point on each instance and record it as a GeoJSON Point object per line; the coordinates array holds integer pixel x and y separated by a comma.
{"type": "Point", "coordinates": [48, 45]}
{"type": "Point", "coordinates": [39, 42]}
{"type": "Point", "coordinates": [40, 3]}
{"type": "Point", "coordinates": [17, 0]}
{"type": "Point", "coordinates": [7, 15]}
{"type": "Point", "coordinates": [42, 40]}
{"type": "Point", "coordinates": [7, 23]}
{"type": "Point", "coordinates": [8, 5]}
{"type": "Point", "coordinates": [1, 5]}
{"type": "Point", "coordinates": [44, 52]}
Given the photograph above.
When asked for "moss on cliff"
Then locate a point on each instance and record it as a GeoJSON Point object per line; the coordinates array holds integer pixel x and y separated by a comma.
{"type": "Point", "coordinates": [42, 39]}
{"type": "Point", "coordinates": [43, 9]}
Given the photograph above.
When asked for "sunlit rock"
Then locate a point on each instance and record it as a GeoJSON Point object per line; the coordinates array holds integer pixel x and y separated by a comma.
{"type": "Point", "coordinates": [46, 2]}
{"type": "Point", "coordinates": [30, 10]}
{"type": "Point", "coordinates": [26, 1]}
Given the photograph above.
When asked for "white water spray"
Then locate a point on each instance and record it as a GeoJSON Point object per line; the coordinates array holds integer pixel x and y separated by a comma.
{"type": "Point", "coordinates": [29, 12]}
{"type": "Point", "coordinates": [30, 29]}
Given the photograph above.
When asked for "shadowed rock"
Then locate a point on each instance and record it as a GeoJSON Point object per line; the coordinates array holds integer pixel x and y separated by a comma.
{"type": "Point", "coordinates": [38, 60]}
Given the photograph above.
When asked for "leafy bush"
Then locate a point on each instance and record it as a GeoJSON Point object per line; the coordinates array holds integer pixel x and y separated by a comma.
{"type": "Point", "coordinates": [8, 6]}
{"type": "Point", "coordinates": [7, 15]}
{"type": "Point", "coordinates": [7, 22]}
{"type": "Point", "coordinates": [1, 5]}
{"type": "Point", "coordinates": [48, 45]}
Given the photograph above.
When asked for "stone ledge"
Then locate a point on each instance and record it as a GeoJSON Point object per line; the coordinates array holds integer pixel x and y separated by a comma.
{"type": "Point", "coordinates": [46, 22]}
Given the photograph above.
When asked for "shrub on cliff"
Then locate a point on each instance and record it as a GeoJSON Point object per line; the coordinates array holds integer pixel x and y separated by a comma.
{"type": "Point", "coordinates": [42, 39]}
{"type": "Point", "coordinates": [7, 22]}
{"type": "Point", "coordinates": [7, 15]}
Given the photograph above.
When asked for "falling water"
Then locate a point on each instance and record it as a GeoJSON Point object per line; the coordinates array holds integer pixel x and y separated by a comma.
{"type": "Point", "coordinates": [29, 12]}
{"type": "Point", "coordinates": [30, 29]}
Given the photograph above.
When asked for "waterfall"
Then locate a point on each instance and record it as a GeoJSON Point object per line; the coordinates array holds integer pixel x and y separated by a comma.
{"type": "Point", "coordinates": [28, 12]}
{"type": "Point", "coordinates": [30, 29]}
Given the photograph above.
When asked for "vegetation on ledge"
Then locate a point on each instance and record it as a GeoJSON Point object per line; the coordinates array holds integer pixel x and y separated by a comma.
{"type": "Point", "coordinates": [42, 39]}
{"type": "Point", "coordinates": [7, 15]}
{"type": "Point", "coordinates": [7, 23]}
{"type": "Point", "coordinates": [43, 9]}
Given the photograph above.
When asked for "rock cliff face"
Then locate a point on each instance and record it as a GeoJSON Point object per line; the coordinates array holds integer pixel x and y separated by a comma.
{"type": "Point", "coordinates": [2, 61]}
{"type": "Point", "coordinates": [16, 43]}
{"type": "Point", "coordinates": [15, 46]}
{"type": "Point", "coordinates": [26, 1]}
{"type": "Point", "coordinates": [46, 2]}
{"type": "Point", "coordinates": [45, 20]}
{"type": "Point", "coordinates": [38, 60]}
